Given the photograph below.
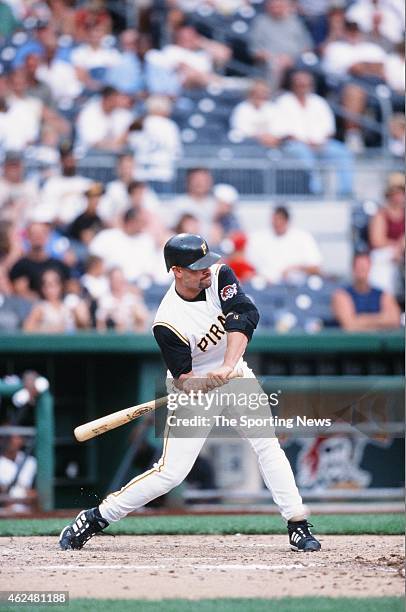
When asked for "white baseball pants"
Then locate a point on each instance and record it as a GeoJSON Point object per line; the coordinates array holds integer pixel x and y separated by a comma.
{"type": "Point", "coordinates": [178, 457]}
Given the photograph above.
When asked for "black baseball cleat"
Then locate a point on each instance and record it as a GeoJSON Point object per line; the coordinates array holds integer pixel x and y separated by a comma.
{"type": "Point", "coordinates": [85, 526]}
{"type": "Point", "coordinates": [301, 538]}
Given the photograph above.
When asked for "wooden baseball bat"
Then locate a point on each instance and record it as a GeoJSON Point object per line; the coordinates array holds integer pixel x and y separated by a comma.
{"type": "Point", "coordinates": [116, 419]}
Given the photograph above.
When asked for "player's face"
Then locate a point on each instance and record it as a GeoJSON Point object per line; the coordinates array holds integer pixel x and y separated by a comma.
{"type": "Point", "coordinates": [193, 280]}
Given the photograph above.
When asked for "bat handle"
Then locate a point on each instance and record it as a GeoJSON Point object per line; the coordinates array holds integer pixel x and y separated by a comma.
{"type": "Point", "coordinates": [238, 373]}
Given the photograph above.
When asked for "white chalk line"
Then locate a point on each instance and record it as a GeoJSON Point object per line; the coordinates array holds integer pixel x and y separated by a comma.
{"type": "Point", "coordinates": [197, 566]}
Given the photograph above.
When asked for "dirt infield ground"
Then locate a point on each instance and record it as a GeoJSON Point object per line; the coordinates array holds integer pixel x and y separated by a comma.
{"type": "Point", "coordinates": [155, 567]}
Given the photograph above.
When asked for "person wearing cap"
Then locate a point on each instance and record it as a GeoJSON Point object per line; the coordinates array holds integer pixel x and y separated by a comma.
{"type": "Point", "coordinates": [226, 197]}
{"type": "Point", "coordinates": [202, 326]}
{"type": "Point", "coordinates": [237, 259]}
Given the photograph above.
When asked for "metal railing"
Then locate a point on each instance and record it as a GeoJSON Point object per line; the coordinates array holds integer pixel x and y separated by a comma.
{"type": "Point", "coordinates": [253, 173]}
{"type": "Point", "coordinates": [44, 441]}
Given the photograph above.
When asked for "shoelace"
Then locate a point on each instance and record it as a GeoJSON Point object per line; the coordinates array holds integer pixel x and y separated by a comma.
{"type": "Point", "coordinates": [303, 529]}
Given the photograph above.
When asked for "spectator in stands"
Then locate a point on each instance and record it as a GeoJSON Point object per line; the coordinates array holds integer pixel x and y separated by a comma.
{"type": "Point", "coordinates": [394, 71]}
{"type": "Point", "coordinates": [25, 114]}
{"type": "Point", "coordinates": [256, 117]}
{"type": "Point", "coordinates": [284, 253]}
{"type": "Point", "coordinates": [115, 202]}
{"type": "Point", "coordinates": [362, 307]}
{"type": "Point", "coordinates": [126, 75]}
{"type": "Point", "coordinates": [158, 145]}
{"type": "Point", "coordinates": [278, 38]}
{"type": "Point", "coordinates": [11, 244]}
{"type": "Point", "coordinates": [354, 63]}
{"type": "Point", "coordinates": [161, 77]}
{"type": "Point", "coordinates": [226, 198]}
{"type": "Point", "coordinates": [13, 309]}
{"type": "Point", "coordinates": [36, 260]}
{"type": "Point", "coordinates": [62, 195]}
{"type": "Point", "coordinates": [187, 224]}
{"type": "Point", "coordinates": [54, 314]}
{"type": "Point", "coordinates": [17, 474]}
{"type": "Point", "coordinates": [307, 125]}
{"type": "Point", "coordinates": [94, 280]}
{"type": "Point", "coordinates": [129, 248]}
{"type": "Point", "coordinates": [43, 36]}
{"type": "Point", "coordinates": [397, 135]}
{"type": "Point", "coordinates": [314, 14]}
{"type": "Point", "coordinates": [335, 25]}
{"type": "Point", "coordinates": [84, 228]}
{"type": "Point", "coordinates": [237, 259]}
{"type": "Point", "coordinates": [63, 17]}
{"type": "Point", "coordinates": [118, 192]}
{"type": "Point", "coordinates": [198, 199]}
{"type": "Point", "coordinates": [194, 57]}
{"type": "Point", "coordinates": [383, 20]}
{"type": "Point", "coordinates": [142, 199]}
{"type": "Point", "coordinates": [103, 122]}
{"type": "Point", "coordinates": [17, 195]}
{"type": "Point", "coordinates": [121, 307]}
{"type": "Point", "coordinates": [387, 237]}
{"type": "Point", "coordinates": [92, 58]}
{"type": "Point", "coordinates": [91, 14]}
{"type": "Point", "coordinates": [57, 72]}
{"type": "Point", "coordinates": [35, 87]}
{"type": "Point", "coordinates": [44, 154]}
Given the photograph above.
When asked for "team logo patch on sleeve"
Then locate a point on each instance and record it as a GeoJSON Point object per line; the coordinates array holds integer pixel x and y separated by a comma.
{"type": "Point", "coordinates": [228, 292]}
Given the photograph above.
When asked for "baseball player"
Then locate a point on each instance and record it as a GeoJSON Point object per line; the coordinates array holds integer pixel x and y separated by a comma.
{"type": "Point", "coordinates": [202, 326]}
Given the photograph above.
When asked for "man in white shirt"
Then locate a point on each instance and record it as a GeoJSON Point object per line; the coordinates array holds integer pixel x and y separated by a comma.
{"type": "Point", "coordinates": [384, 17]}
{"type": "Point", "coordinates": [355, 63]}
{"type": "Point", "coordinates": [256, 117]}
{"type": "Point", "coordinates": [158, 145]}
{"type": "Point", "coordinates": [23, 116]}
{"type": "Point", "coordinates": [283, 253]}
{"type": "Point", "coordinates": [62, 196]}
{"type": "Point", "coordinates": [194, 57]}
{"type": "Point", "coordinates": [308, 125]}
{"type": "Point", "coordinates": [103, 122]}
{"type": "Point", "coordinates": [129, 248]}
{"type": "Point", "coordinates": [117, 198]}
{"type": "Point", "coordinates": [93, 58]}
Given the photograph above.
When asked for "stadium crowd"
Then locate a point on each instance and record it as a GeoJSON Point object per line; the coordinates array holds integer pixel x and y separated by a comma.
{"type": "Point", "coordinates": [79, 79]}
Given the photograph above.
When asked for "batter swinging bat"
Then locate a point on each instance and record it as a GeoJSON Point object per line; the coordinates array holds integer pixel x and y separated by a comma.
{"type": "Point", "coordinates": [116, 419]}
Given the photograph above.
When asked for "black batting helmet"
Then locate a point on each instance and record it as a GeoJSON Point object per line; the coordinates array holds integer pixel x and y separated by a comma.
{"type": "Point", "coordinates": [188, 251]}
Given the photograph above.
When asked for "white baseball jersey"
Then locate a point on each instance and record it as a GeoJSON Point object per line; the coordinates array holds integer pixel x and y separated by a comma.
{"type": "Point", "coordinates": [199, 324]}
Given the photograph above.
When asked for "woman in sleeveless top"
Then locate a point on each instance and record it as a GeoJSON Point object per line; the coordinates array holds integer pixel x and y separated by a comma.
{"type": "Point", "coordinates": [387, 239]}
{"type": "Point", "coordinates": [52, 314]}
{"type": "Point", "coordinates": [387, 227]}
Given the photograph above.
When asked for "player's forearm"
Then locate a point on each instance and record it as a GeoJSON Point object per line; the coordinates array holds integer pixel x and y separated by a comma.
{"type": "Point", "coordinates": [236, 345]}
